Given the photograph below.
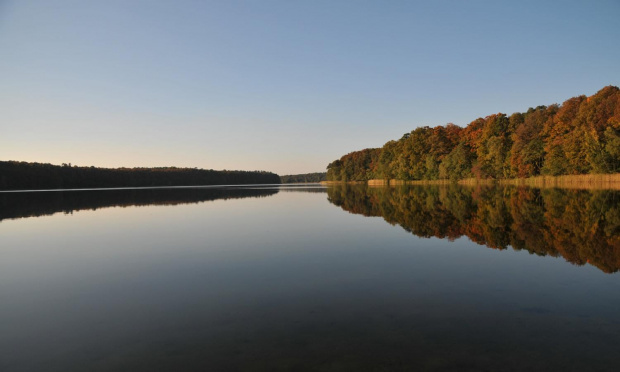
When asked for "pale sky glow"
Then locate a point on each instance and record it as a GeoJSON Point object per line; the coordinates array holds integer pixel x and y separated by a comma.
{"type": "Point", "coordinates": [283, 86]}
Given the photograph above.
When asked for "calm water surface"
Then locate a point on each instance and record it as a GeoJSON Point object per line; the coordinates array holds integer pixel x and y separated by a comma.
{"type": "Point", "coordinates": [310, 279]}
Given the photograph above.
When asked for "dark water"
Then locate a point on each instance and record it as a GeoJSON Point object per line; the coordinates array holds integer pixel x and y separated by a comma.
{"type": "Point", "coordinates": [284, 279]}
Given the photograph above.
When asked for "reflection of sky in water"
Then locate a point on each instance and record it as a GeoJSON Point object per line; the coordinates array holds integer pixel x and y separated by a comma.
{"type": "Point", "coordinates": [287, 282]}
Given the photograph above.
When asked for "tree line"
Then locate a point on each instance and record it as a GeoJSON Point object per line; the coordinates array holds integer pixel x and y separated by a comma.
{"type": "Point", "coordinates": [16, 175]}
{"type": "Point", "coordinates": [580, 136]}
{"type": "Point", "coordinates": [304, 178]}
{"type": "Point", "coordinates": [582, 226]}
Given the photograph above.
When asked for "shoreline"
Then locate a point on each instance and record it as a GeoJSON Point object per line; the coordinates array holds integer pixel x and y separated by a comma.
{"type": "Point", "coordinates": [578, 181]}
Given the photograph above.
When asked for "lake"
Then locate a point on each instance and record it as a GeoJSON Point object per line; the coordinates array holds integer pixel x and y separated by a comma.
{"type": "Point", "coordinates": [310, 278]}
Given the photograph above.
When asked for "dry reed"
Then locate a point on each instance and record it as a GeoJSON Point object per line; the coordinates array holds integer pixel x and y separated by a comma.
{"type": "Point", "coordinates": [577, 181]}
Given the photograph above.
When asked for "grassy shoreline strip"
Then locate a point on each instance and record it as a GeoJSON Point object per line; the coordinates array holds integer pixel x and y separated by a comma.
{"type": "Point", "coordinates": [578, 181]}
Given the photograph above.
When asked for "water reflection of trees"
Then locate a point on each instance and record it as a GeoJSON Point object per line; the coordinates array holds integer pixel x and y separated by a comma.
{"type": "Point", "coordinates": [305, 189]}
{"type": "Point", "coordinates": [583, 226]}
{"type": "Point", "coordinates": [34, 204]}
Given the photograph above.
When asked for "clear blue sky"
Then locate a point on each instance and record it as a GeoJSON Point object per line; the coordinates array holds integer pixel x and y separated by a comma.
{"type": "Point", "coordinates": [285, 86]}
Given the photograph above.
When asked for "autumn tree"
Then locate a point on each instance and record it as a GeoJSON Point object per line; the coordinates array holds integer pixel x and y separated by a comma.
{"type": "Point", "coordinates": [580, 136]}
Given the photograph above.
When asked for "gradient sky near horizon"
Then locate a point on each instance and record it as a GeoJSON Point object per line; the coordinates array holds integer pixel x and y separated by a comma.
{"type": "Point", "coordinates": [284, 86]}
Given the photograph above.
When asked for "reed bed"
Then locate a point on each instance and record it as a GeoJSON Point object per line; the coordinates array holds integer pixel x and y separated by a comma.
{"type": "Point", "coordinates": [577, 181]}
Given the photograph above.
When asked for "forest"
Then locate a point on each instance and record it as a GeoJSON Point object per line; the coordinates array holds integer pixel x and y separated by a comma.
{"type": "Point", "coordinates": [582, 226]}
{"type": "Point", "coordinates": [581, 136]}
{"type": "Point", "coordinates": [304, 178]}
{"type": "Point", "coordinates": [16, 175]}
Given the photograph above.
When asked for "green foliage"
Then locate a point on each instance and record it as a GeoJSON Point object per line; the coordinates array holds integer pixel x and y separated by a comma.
{"type": "Point", "coordinates": [493, 147]}
{"type": "Point", "coordinates": [356, 166]}
{"type": "Point", "coordinates": [457, 164]}
{"type": "Point", "coordinates": [527, 154]}
{"type": "Point", "coordinates": [611, 149]}
{"type": "Point", "coordinates": [578, 137]}
{"type": "Point", "coordinates": [304, 178]}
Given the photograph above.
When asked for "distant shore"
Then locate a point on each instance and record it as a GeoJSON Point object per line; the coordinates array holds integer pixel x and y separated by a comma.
{"type": "Point", "coordinates": [19, 175]}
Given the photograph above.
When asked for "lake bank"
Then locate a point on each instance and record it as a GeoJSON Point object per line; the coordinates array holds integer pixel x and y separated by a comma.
{"type": "Point", "coordinates": [579, 181]}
